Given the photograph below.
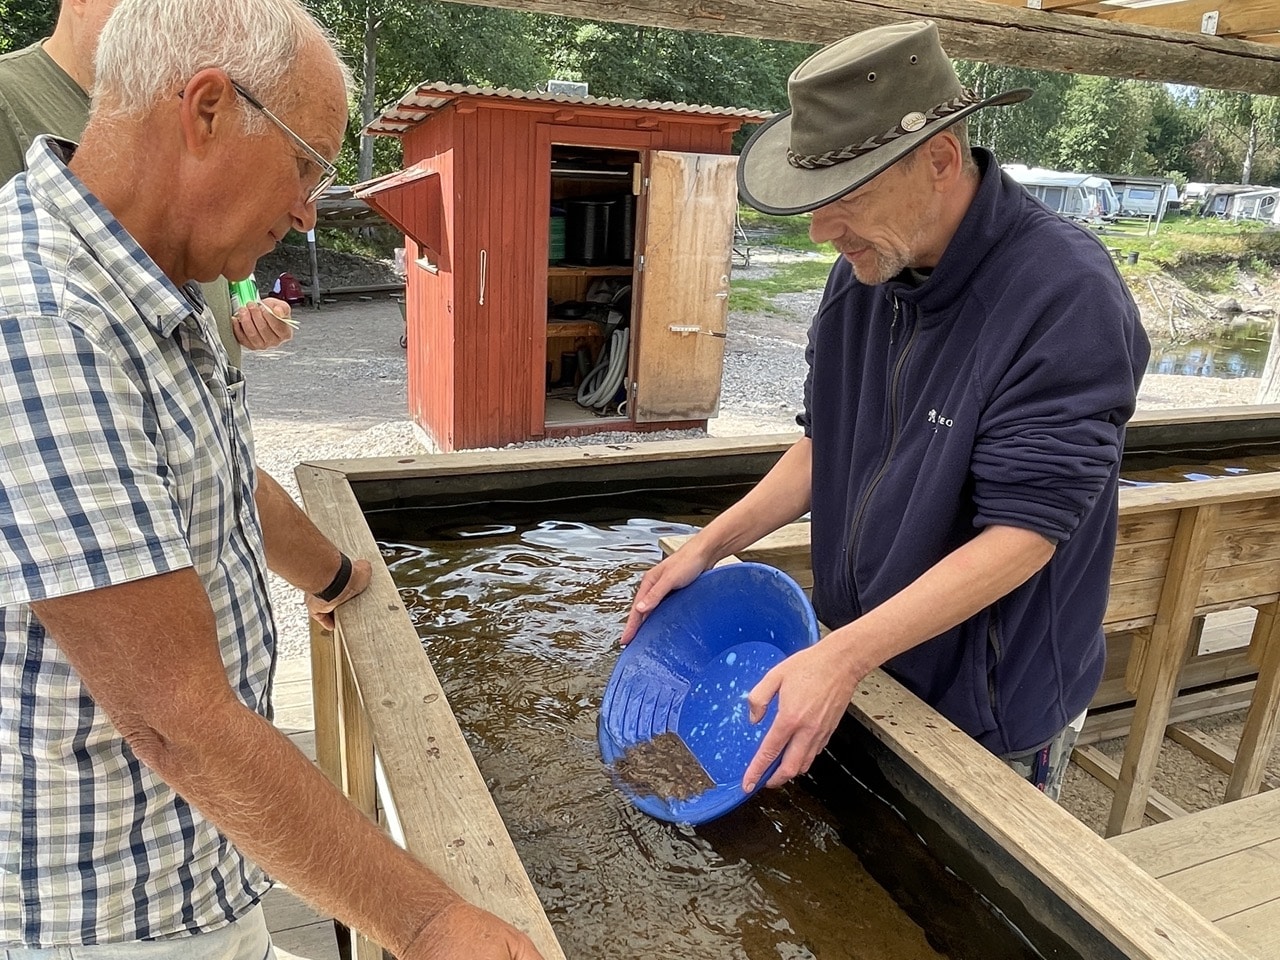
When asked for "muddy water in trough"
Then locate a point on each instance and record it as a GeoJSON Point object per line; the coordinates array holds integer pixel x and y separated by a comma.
{"type": "Point", "coordinates": [521, 620]}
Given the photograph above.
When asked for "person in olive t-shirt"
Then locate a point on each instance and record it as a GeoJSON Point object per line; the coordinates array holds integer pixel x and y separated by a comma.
{"type": "Point", "coordinates": [43, 89]}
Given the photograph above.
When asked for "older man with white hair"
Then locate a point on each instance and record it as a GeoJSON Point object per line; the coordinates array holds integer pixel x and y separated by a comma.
{"type": "Point", "coordinates": [143, 790]}
{"type": "Point", "coordinates": [44, 88]}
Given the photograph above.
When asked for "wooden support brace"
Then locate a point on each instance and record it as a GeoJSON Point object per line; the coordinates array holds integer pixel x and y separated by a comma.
{"type": "Point", "coordinates": [1107, 772]}
{"type": "Point", "coordinates": [1166, 653]}
{"type": "Point", "coordinates": [358, 775]}
{"type": "Point", "coordinates": [1263, 719]}
{"type": "Point", "coordinates": [324, 703]}
{"type": "Point", "coordinates": [1212, 751]}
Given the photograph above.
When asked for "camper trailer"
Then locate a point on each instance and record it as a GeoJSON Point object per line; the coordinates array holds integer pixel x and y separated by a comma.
{"type": "Point", "coordinates": [1077, 196]}
{"type": "Point", "coordinates": [1144, 196]}
{"type": "Point", "coordinates": [1240, 201]}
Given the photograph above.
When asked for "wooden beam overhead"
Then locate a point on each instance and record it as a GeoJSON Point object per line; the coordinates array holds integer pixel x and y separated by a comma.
{"type": "Point", "coordinates": [970, 29]}
{"type": "Point", "coordinates": [1043, 5]}
{"type": "Point", "coordinates": [1235, 18]}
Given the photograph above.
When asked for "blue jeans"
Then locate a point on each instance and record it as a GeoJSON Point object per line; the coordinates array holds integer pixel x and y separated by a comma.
{"type": "Point", "coordinates": [244, 939]}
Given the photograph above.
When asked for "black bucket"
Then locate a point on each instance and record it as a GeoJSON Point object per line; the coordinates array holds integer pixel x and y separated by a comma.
{"type": "Point", "coordinates": [586, 233]}
{"type": "Point", "coordinates": [622, 242]}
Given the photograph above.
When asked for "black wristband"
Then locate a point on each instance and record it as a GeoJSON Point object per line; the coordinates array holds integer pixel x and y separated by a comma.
{"type": "Point", "coordinates": [339, 582]}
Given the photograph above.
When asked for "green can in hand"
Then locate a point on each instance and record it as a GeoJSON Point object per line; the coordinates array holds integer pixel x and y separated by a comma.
{"type": "Point", "coordinates": [243, 292]}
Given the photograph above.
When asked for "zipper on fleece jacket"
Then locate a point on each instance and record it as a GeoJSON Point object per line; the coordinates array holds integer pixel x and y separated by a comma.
{"type": "Point", "coordinates": [855, 528]}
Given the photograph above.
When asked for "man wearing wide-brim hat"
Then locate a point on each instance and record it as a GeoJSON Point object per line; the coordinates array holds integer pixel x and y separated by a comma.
{"type": "Point", "coordinates": [971, 368]}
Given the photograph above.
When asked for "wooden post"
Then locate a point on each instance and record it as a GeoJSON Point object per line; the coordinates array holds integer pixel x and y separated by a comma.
{"type": "Point", "coordinates": [315, 270]}
{"type": "Point", "coordinates": [357, 774]}
{"type": "Point", "coordinates": [325, 703]}
{"type": "Point", "coordinates": [1165, 653]}
{"type": "Point", "coordinates": [1260, 725]}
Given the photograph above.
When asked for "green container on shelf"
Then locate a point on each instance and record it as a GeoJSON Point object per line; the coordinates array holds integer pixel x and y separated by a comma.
{"type": "Point", "coordinates": [556, 244]}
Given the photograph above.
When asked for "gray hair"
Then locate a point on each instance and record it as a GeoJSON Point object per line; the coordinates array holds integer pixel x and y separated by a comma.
{"type": "Point", "coordinates": [960, 131]}
{"type": "Point", "coordinates": [149, 49]}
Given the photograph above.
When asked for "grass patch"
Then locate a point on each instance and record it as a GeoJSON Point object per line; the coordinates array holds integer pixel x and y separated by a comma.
{"type": "Point", "coordinates": [788, 233]}
{"type": "Point", "coordinates": [757, 295]}
{"type": "Point", "coordinates": [1187, 241]}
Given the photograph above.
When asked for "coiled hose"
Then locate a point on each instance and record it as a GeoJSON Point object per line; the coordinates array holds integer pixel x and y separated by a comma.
{"type": "Point", "coordinates": [599, 386]}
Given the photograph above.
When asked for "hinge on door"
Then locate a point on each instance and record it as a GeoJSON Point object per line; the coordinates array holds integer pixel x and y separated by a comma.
{"type": "Point", "coordinates": [644, 185]}
{"type": "Point", "coordinates": [640, 264]}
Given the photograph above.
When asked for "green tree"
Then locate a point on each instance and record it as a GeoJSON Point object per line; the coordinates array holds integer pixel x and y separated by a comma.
{"type": "Point", "coordinates": [648, 63]}
{"type": "Point", "coordinates": [1020, 133]}
{"type": "Point", "coordinates": [393, 45]}
{"type": "Point", "coordinates": [1239, 136]}
{"type": "Point", "coordinates": [1103, 127]}
{"type": "Point", "coordinates": [1175, 128]}
{"type": "Point", "coordinates": [23, 22]}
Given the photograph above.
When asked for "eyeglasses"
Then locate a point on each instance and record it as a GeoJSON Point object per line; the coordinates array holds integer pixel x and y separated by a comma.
{"type": "Point", "coordinates": [328, 172]}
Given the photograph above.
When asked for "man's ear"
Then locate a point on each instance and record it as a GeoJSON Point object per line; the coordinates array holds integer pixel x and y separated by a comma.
{"type": "Point", "coordinates": [208, 105]}
{"type": "Point", "coordinates": [945, 159]}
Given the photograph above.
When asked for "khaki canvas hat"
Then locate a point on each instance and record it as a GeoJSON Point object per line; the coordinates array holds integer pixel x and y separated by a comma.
{"type": "Point", "coordinates": [857, 106]}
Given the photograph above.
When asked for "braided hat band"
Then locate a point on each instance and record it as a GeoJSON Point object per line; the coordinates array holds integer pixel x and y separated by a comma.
{"type": "Point", "coordinates": [911, 123]}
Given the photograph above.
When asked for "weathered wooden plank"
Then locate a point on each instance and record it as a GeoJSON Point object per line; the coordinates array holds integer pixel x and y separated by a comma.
{"type": "Point", "coordinates": [1256, 544]}
{"type": "Point", "coordinates": [969, 29]}
{"type": "Point", "coordinates": [447, 815]}
{"type": "Point", "coordinates": [1237, 18]}
{"type": "Point", "coordinates": [1255, 930]}
{"type": "Point", "coordinates": [1147, 527]}
{"type": "Point", "coordinates": [1167, 848]}
{"type": "Point", "coordinates": [1115, 722]}
{"type": "Point", "coordinates": [467, 463]}
{"type": "Point", "coordinates": [1132, 604]}
{"type": "Point", "coordinates": [1263, 720]}
{"type": "Point", "coordinates": [313, 942]}
{"type": "Point", "coordinates": [1155, 675]}
{"type": "Point", "coordinates": [1248, 584]}
{"type": "Point", "coordinates": [1138, 560]}
{"type": "Point", "coordinates": [1210, 668]}
{"type": "Point", "coordinates": [1107, 890]}
{"type": "Point", "coordinates": [324, 702]}
{"type": "Point", "coordinates": [1229, 884]}
{"type": "Point", "coordinates": [358, 781]}
{"type": "Point", "coordinates": [1251, 514]}
{"type": "Point", "coordinates": [693, 198]}
{"type": "Point", "coordinates": [1221, 490]}
{"type": "Point", "coordinates": [1147, 427]}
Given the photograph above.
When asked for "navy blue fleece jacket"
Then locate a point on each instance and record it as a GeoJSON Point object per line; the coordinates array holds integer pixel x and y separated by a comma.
{"type": "Point", "coordinates": [996, 392]}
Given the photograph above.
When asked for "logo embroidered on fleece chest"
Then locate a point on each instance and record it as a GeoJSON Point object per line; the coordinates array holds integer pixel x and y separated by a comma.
{"type": "Point", "coordinates": [939, 420]}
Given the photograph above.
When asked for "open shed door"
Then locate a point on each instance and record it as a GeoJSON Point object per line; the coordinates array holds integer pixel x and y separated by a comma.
{"type": "Point", "coordinates": [684, 303]}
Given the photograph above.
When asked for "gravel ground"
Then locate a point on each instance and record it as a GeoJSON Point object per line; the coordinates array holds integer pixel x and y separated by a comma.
{"type": "Point", "coordinates": [338, 390]}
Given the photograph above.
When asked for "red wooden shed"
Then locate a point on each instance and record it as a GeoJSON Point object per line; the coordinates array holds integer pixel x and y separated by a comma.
{"type": "Point", "coordinates": [568, 260]}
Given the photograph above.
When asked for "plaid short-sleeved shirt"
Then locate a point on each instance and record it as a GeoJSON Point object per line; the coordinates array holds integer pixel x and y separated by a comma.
{"type": "Point", "coordinates": [125, 452]}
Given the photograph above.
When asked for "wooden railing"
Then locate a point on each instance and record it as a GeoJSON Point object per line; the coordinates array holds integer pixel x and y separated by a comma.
{"type": "Point", "coordinates": [1183, 551]}
{"type": "Point", "coordinates": [386, 735]}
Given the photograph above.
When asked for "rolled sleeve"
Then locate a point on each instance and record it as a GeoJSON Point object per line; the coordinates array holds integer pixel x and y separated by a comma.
{"type": "Point", "coordinates": [1052, 435]}
{"type": "Point", "coordinates": [84, 501]}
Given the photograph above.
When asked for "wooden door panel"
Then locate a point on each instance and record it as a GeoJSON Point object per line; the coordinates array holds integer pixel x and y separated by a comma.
{"type": "Point", "coordinates": [680, 329]}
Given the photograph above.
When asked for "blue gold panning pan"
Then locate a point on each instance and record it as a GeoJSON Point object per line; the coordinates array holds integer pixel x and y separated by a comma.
{"type": "Point", "coordinates": [688, 672]}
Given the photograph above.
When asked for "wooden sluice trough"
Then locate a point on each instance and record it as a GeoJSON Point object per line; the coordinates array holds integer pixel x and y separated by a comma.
{"type": "Point", "coordinates": [386, 735]}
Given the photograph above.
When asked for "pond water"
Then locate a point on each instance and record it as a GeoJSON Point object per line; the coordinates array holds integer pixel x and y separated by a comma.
{"type": "Point", "coordinates": [1239, 349]}
{"type": "Point", "coordinates": [521, 619]}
